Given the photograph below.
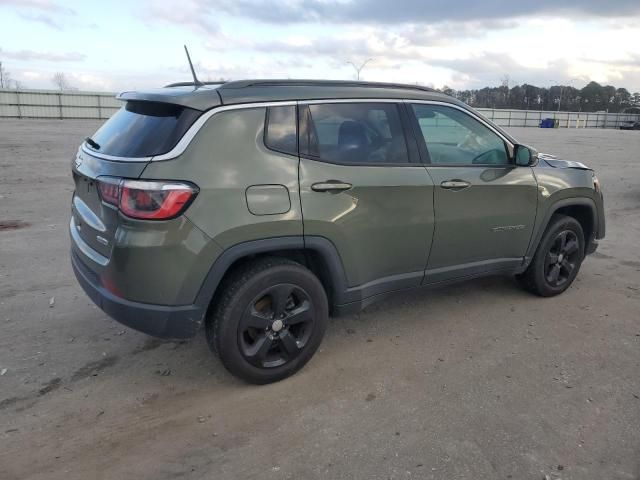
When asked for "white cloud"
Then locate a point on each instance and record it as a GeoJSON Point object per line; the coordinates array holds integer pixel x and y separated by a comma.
{"type": "Point", "coordinates": [31, 55]}
{"type": "Point", "coordinates": [462, 44]}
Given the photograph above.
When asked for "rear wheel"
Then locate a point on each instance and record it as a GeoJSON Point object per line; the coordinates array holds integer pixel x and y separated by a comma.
{"type": "Point", "coordinates": [558, 258]}
{"type": "Point", "coordinates": [269, 320]}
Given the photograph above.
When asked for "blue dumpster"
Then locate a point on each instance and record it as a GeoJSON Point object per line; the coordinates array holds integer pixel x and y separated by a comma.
{"type": "Point", "coordinates": [547, 123]}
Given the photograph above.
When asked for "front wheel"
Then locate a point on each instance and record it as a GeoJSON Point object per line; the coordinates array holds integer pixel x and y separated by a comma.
{"type": "Point", "coordinates": [558, 258]}
{"type": "Point", "coordinates": [269, 320]}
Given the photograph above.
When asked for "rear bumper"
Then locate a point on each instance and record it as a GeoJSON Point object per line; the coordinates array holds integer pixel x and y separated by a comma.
{"type": "Point", "coordinates": [162, 321]}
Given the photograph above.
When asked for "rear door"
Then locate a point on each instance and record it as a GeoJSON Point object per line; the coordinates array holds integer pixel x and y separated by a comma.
{"type": "Point", "coordinates": [363, 188]}
{"type": "Point", "coordinates": [485, 205]}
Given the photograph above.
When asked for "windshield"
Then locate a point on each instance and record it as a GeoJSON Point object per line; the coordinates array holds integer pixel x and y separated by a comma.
{"type": "Point", "coordinates": [143, 129]}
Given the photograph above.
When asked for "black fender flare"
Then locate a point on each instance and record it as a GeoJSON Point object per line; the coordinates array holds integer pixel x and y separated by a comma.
{"type": "Point", "coordinates": [321, 245]}
{"type": "Point", "coordinates": [564, 202]}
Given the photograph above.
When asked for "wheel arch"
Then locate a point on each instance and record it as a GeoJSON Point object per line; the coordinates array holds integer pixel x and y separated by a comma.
{"type": "Point", "coordinates": [583, 209]}
{"type": "Point", "coordinates": [316, 253]}
{"type": "Point", "coordinates": [583, 213]}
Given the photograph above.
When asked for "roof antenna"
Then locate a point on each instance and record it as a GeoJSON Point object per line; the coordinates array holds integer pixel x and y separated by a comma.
{"type": "Point", "coordinates": [196, 82]}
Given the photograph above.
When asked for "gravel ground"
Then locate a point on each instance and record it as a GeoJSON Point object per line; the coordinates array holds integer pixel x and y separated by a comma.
{"type": "Point", "coordinates": [479, 380]}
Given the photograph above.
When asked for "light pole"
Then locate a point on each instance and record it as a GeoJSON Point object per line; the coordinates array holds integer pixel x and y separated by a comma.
{"type": "Point", "coordinates": [570, 82]}
{"type": "Point", "coordinates": [358, 69]}
{"type": "Point", "coordinates": [560, 97]}
{"type": "Point", "coordinates": [553, 83]}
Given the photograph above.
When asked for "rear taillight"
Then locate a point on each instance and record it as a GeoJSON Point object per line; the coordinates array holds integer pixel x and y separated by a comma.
{"type": "Point", "coordinates": [154, 200]}
{"type": "Point", "coordinates": [147, 200]}
{"type": "Point", "coordinates": [109, 189]}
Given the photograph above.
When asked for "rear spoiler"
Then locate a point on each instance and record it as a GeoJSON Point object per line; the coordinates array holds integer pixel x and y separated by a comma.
{"type": "Point", "coordinates": [202, 98]}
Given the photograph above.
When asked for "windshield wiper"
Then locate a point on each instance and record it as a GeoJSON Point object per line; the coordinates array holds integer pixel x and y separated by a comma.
{"type": "Point", "coordinates": [92, 143]}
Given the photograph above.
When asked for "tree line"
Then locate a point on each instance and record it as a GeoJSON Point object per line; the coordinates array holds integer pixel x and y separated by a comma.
{"type": "Point", "coordinates": [59, 80]}
{"type": "Point", "coordinates": [592, 98]}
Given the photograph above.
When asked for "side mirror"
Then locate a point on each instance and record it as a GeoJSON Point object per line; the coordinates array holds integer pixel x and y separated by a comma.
{"type": "Point", "coordinates": [524, 156]}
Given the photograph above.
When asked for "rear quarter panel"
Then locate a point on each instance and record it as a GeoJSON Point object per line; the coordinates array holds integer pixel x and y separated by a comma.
{"type": "Point", "coordinates": [155, 262]}
{"type": "Point", "coordinates": [225, 158]}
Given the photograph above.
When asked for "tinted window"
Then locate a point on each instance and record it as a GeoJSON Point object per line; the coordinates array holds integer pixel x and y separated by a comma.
{"type": "Point", "coordinates": [367, 133]}
{"type": "Point", "coordinates": [454, 137]}
{"type": "Point", "coordinates": [143, 129]}
{"type": "Point", "coordinates": [281, 133]}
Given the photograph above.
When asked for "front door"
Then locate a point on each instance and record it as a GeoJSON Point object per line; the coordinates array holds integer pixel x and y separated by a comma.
{"type": "Point", "coordinates": [362, 189]}
{"type": "Point", "coordinates": [485, 205]}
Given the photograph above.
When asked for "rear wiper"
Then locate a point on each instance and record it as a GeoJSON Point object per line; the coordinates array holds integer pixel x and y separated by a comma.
{"type": "Point", "coordinates": [92, 143]}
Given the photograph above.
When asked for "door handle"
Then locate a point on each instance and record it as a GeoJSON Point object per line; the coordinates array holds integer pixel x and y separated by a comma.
{"type": "Point", "coordinates": [455, 184]}
{"type": "Point", "coordinates": [331, 186]}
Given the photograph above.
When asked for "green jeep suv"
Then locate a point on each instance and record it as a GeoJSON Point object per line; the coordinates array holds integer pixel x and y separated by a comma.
{"type": "Point", "coordinates": [258, 208]}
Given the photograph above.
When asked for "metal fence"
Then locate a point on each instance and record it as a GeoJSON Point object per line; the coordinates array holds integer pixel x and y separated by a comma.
{"type": "Point", "coordinates": [101, 105]}
{"type": "Point", "coordinates": [532, 118]}
{"type": "Point", "coordinates": [54, 104]}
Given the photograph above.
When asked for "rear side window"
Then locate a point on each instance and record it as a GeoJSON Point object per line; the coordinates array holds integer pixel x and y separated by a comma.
{"type": "Point", "coordinates": [281, 133]}
{"type": "Point", "coordinates": [143, 129]}
{"type": "Point", "coordinates": [355, 133]}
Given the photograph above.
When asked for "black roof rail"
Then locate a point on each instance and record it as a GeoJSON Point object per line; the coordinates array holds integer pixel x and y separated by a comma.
{"type": "Point", "coordinates": [192, 84]}
{"type": "Point", "coordinates": [322, 83]}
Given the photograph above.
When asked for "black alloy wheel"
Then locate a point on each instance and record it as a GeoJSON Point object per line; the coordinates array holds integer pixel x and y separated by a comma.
{"type": "Point", "coordinates": [558, 257]}
{"type": "Point", "coordinates": [276, 326]}
{"type": "Point", "coordinates": [268, 319]}
{"type": "Point", "coordinates": [562, 258]}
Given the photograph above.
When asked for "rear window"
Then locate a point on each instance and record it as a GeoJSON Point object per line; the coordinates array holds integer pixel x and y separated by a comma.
{"type": "Point", "coordinates": [356, 133]}
{"type": "Point", "coordinates": [143, 129]}
{"type": "Point", "coordinates": [281, 133]}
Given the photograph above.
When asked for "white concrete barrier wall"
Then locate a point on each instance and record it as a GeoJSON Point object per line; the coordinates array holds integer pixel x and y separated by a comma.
{"type": "Point", "coordinates": [101, 105]}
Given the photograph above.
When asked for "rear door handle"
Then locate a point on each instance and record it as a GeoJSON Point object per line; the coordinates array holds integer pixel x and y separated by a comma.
{"type": "Point", "coordinates": [331, 186]}
{"type": "Point", "coordinates": [455, 184]}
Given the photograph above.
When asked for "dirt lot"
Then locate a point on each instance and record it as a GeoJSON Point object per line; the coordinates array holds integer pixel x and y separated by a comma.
{"type": "Point", "coordinates": [475, 381]}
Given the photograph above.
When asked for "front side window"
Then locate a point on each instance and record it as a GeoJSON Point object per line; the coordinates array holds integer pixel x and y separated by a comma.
{"type": "Point", "coordinates": [281, 132]}
{"type": "Point", "coordinates": [355, 133]}
{"type": "Point", "coordinates": [453, 137]}
{"type": "Point", "coordinates": [143, 129]}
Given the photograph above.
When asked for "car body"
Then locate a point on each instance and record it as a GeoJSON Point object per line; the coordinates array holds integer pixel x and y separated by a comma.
{"type": "Point", "coordinates": [630, 125]}
{"type": "Point", "coordinates": [349, 191]}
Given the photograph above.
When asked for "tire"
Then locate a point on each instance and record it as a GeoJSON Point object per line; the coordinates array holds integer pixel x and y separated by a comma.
{"type": "Point", "coordinates": [269, 320]}
{"type": "Point", "coordinates": [557, 260]}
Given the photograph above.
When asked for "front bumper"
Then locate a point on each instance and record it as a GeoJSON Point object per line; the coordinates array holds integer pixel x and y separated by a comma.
{"type": "Point", "coordinates": [162, 321]}
{"type": "Point", "coordinates": [592, 246]}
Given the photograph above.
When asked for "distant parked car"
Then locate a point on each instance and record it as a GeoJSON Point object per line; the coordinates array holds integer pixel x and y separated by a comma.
{"type": "Point", "coordinates": [630, 125]}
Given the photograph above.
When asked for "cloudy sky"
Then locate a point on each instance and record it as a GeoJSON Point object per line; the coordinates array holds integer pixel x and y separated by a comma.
{"type": "Point", "coordinates": [117, 44]}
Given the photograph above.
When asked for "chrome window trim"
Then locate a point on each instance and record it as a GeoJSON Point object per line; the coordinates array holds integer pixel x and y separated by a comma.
{"type": "Point", "coordinates": [184, 142]}
{"type": "Point", "coordinates": [186, 139]}
{"type": "Point", "coordinates": [352, 100]}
